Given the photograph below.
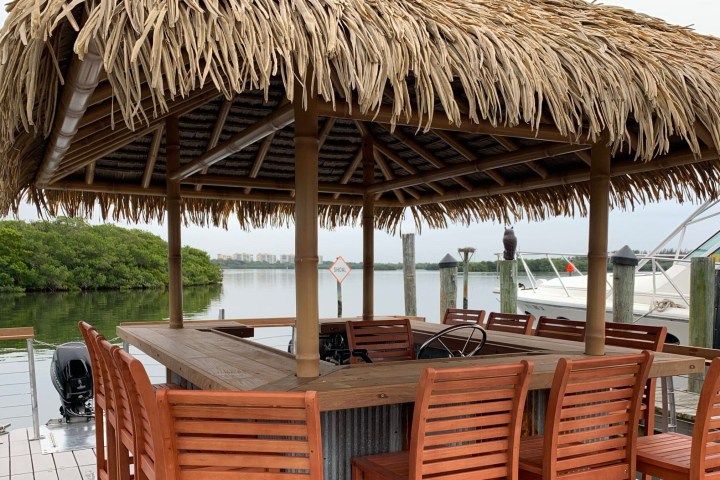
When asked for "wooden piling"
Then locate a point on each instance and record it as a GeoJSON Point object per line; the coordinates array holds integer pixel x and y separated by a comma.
{"type": "Point", "coordinates": [448, 284]}
{"type": "Point", "coordinates": [466, 254]}
{"type": "Point", "coordinates": [408, 244]}
{"type": "Point", "coordinates": [306, 235]}
{"type": "Point", "coordinates": [624, 262]}
{"type": "Point", "coordinates": [174, 223]}
{"type": "Point", "coordinates": [339, 299]}
{"type": "Point", "coordinates": [702, 289]}
{"type": "Point", "coordinates": [508, 285]}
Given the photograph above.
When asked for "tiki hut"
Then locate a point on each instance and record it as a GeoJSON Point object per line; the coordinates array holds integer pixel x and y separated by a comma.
{"type": "Point", "coordinates": [330, 112]}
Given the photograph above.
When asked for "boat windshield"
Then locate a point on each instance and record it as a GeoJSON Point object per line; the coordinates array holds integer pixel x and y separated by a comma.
{"type": "Point", "coordinates": [710, 247]}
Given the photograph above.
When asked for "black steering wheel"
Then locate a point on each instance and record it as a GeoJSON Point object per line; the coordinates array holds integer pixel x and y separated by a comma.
{"type": "Point", "coordinates": [438, 338]}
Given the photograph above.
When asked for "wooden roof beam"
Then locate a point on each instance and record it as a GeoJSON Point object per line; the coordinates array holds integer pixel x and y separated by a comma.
{"type": "Point", "coordinates": [90, 173]}
{"type": "Point", "coordinates": [627, 167]}
{"type": "Point", "coordinates": [83, 77]}
{"type": "Point", "coordinates": [260, 158]}
{"type": "Point", "coordinates": [456, 145]}
{"type": "Point", "coordinates": [481, 165]}
{"type": "Point", "coordinates": [387, 174]}
{"type": "Point", "coordinates": [216, 132]}
{"type": "Point", "coordinates": [206, 194]}
{"type": "Point", "coordinates": [440, 121]}
{"type": "Point", "coordinates": [277, 120]}
{"type": "Point", "coordinates": [247, 182]}
{"type": "Point", "coordinates": [152, 156]}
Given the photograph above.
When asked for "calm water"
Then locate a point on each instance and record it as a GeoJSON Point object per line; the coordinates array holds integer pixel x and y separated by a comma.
{"type": "Point", "coordinates": [243, 294]}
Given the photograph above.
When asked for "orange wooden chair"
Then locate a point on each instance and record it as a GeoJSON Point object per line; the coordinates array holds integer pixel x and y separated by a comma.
{"type": "Point", "coordinates": [384, 340]}
{"type": "Point", "coordinates": [591, 421]}
{"type": "Point", "coordinates": [560, 328]}
{"type": "Point", "coordinates": [240, 435]}
{"type": "Point", "coordinates": [111, 422]}
{"type": "Point", "coordinates": [146, 422]}
{"type": "Point", "coordinates": [640, 337]}
{"type": "Point", "coordinates": [673, 456]}
{"type": "Point", "coordinates": [461, 316]}
{"type": "Point", "coordinates": [90, 334]}
{"type": "Point", "coordinates": [466, 425]}
{"type": "Point", "coordinates": [119, 416]}
{"type": "Point", "coordinates": [510, 322]}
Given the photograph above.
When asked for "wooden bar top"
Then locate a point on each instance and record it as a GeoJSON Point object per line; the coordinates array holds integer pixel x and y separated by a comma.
{"type": "Point", "coordinates": [217, 361]}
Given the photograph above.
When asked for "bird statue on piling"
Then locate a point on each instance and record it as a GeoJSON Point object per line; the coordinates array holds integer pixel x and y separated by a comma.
{"type": "Point", "coordinates": [510, 244]}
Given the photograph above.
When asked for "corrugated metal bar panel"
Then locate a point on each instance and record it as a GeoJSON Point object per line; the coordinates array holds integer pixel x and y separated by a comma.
{"type": "Point", "coordinates": [356, 432]}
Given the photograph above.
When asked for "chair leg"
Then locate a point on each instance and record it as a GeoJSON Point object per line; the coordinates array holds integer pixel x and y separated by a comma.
{"type": "Point", "coordinates": [357, 473]}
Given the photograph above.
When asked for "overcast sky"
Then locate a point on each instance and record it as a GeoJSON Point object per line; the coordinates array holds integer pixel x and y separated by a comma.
{"type": "Point", "coordinates": [641, 229]}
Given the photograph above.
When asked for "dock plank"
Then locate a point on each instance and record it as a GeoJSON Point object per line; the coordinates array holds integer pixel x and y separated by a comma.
{"type": "Point", "coordinates": [42, 462]}
{"type": "Point", "coordinates": [20, 464]}
{"type": "Point", "coordinates": [64, 460]}
{"type": "Point", "coordinates": [69, 474]}
{"type": "Point", "coordinates": [85, 457]}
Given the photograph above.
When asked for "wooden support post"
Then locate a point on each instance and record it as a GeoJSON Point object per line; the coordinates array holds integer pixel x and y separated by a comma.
{"type": "Point", "coordinates": [597, 247]}
{"type": "Point", "coordinates": [624, 262]}
{"type": "Point", "coordinates": [339, 299]}
{"type": "Point", "coordinates": [175, 287]}
{"type": "Point", "coordinates": [702, 290]}
{"type": "Point", "coordinates": [368, 225]}
{"type": "Point", "coordinates": [408, 245]}
{"type": "Point", "coordinates": [466, 253]}
{"type": "Point", "coordinates": [306, 235]}
{"type": "Point", "coordinates": [508, 285]}
{"type": "Point", "coordinates": [448, 284]}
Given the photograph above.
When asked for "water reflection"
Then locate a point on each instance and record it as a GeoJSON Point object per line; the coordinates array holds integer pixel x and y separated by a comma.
{"type": "Point", "coordinates": [54, 316]}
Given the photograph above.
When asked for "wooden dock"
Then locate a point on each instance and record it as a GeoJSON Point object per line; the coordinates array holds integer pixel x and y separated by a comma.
{"type": "Point", "coordinates": [22, 459]}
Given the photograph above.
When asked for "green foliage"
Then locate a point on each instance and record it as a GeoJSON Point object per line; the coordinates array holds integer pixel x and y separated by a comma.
{"type": "Point", "coordinates": [68, 254]}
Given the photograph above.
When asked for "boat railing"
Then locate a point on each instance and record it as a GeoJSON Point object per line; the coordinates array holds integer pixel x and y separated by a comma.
{"type": "Point", "coordinates": [657, 269]}
{"type": "Point", "coordinates": [8, 381]}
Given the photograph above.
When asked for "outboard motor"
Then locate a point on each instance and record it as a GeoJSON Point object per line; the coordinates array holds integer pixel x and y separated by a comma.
{"type": "Point", "coordinates": [71, 374]}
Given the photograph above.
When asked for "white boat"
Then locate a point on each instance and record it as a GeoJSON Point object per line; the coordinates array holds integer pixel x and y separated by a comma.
{"type": "Point", "coordinates": [662, 294]}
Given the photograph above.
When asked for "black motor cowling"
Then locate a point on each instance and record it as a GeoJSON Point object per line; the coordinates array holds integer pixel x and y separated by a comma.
{"type": "Point", "coordinates": [71, 373]}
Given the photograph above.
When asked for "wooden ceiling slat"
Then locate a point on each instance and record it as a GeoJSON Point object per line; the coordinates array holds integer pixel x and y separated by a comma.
{"type": "Point", "coordinates": [482, 165]}
{"type": "Point", "coordinates": [247, 182]}
{"type": "Point", "coordinates": [277, 120]}
{"type": "Point", "coordinates": [440, 121]}
{"type": "Point", "coordinates": [152, 156]}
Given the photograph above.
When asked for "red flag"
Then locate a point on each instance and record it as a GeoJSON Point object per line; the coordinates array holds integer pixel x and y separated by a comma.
{"type": "Point", "coordinates": [569, 268]}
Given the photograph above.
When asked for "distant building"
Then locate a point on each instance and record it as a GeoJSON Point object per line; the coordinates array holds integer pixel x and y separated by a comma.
{"type": "Point", "coordinates": [266, 258]}
{"type": "Point", "coordinates": [287, 258]}
{"type": "Point", "coordinates": [224, 257]}
{"type": "Point", "coordinates": [243, 257]}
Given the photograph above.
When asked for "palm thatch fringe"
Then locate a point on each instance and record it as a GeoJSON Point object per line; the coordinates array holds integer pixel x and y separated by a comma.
{"type": "Point", "coordinates": [589, 67]}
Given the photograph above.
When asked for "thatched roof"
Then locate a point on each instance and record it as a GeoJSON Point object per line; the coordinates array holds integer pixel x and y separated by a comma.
{"type": "Point", "coordinates": [502, 85]}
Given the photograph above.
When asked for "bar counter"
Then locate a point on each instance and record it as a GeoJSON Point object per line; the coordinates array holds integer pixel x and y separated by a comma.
{"type": "Point", "coordinates": [210, 359]}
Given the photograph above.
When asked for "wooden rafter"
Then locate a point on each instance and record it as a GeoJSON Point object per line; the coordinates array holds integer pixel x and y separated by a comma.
{"type": "Point", "coordinates": [424, 153]}
{"type": "Point", "coordinates": [482, 165]}
{"type": "Point", "coordinates": [260, 158]}
{"type": "Point", "coordinates": [618, 169]}
{"type": "Point", "coordinates": [89, 150]}
{"type": "Point", "coordinates": [216, 132]}
{"type": "Point", "coordinates": [90, 173]}
{"type": "Point", "coordinates": [350, 170]}
{"type": "Point", "coordinates": [277, 120]}
{"type": "Point", "coordinates": [81, 81]}
{"type": "Point", "coordinates": [440, 121]}
{"type": "Point", "coordinates": [402, 163]}
{"type": "Point", "coordinates": [152, 156]}
{"type": "Point", "coordinates": [456, 145]}
{"type": "Point", "coordinates": [387, 174]}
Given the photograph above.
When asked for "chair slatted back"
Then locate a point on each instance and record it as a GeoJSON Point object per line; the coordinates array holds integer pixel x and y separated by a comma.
{"type": "Point", "coordinates": [640, 337]}
{"type": "Point", "coordinates": [592, 417]}
{"type": "Point", "coordinates": [241, 435]}
{"type": "Point", "coordinates": [120, 415]}
{"type": "Point", "coordinates": [462, 316]}
{"type": "Point", "coordinates": [560, 328]}
{"type": "Point", "coordinates": [632, 335]}
{"type": "Point", "coordinates": [90, 334]}
{"type": "Point", "coordinates": [384, 340]}
{"type": "Point", "coordinates": [510, 322]}
{"type": "Point", "coordinates": [705, 458]}
{"type": "Point", "coordinates": [146, 421]}
{"type": "Point", "coordinates": [467, 422]}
